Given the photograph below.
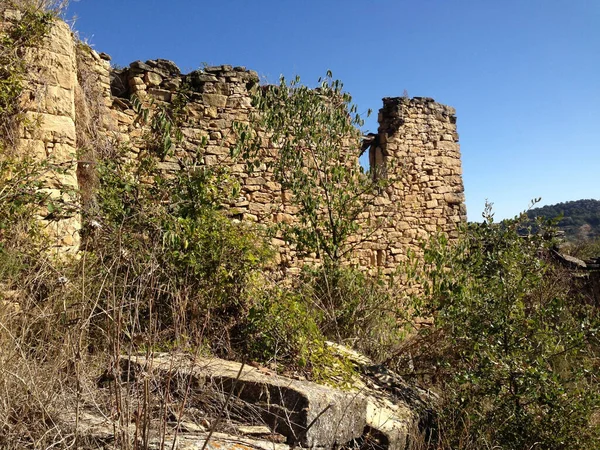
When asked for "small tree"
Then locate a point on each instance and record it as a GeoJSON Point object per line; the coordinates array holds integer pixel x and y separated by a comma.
{"type": "Point", "coordinates": [313, 133]}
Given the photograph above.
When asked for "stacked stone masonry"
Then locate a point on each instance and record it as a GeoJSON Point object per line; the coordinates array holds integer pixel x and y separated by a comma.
{"type": "Point", "coordinates": [87, 107]}
{"type": "Point", "coordinates": [47, 131]}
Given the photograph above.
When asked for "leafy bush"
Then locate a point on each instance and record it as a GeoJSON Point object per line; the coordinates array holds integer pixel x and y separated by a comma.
{"type": "Point", "coordinates": [311, 131]}
{"type": "Point", "coordinates": [339, 304]}
{"type": "Point", "coordinates": [282, 328]}
{"type": "Point", "coordinates": [283, 331]}
{"type": "Point", "coordinates": [517, 355]}
{"type": "Point", "coordinates": [186, 264]}
{"type": "Point", "coordinates": [363, 311]}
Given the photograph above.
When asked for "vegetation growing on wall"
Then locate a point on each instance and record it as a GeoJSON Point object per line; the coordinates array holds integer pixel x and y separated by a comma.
{"type": "Point", "coordinates": [311, 131]}
{"type": "Point", "coordinates": [201, 263]}
{"type": "Point", "coordinates": [29, 27]}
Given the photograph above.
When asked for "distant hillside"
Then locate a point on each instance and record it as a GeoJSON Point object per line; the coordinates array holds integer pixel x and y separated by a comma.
{"type": "Point", "coordinates": [580, 218]}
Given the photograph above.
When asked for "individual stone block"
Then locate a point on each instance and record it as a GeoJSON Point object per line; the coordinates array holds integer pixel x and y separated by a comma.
{"type": "Point", "coordinates": [58, 101]}
{"type": "Point", "coordinates": [53, 68]}
{"type": "Point", "coordinates": [52, 128]}
{"type": "Point", "coordinates": [216, 100]}
{"type": "Point", "coordinates": [60, 40]}
{"type": "Point", "coordinates": [160, 94]}
{"type": "Point", "coordinates": [152, 79]}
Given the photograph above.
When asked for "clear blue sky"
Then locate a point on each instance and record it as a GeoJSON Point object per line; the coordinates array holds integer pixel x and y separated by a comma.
{"type": "Point", "coordinates": [523, 75]}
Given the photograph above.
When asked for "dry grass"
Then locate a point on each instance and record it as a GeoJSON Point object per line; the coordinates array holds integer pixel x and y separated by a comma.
{"type": "Point", "coordinates": [55, 6]}
{"type": "Point", "coordinates": [61, 338]}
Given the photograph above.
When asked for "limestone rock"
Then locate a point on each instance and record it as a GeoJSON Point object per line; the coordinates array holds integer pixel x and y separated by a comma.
{"type": "Point", "coordinates": [152, 79]}
{"type": "Point", "coordinates": [306, 413]}
{"type": "Point", "coordinates": [255, 430]}
{"type": "Point", "coordinates": [218, 100]}
{"type": "Point", "coordinates": [140, 67]}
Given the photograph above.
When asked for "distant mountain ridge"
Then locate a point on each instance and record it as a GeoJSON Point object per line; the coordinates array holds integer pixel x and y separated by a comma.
{"type": "Point", "coordinates": [580, 218]}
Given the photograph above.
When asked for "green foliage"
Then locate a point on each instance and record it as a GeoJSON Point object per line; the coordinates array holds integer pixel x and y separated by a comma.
{"type": "Point", "coordinates": [19, 194]}
{"type": "Point", "coordinates": [163, 120]}
{"type": "Point", "coordinates": [312, 132]}
{"type": "Point", "coordinates": [24, 200]}
{"type": "Point", "coordinates": [360, 310]}
{"type": "Point", "coordinates": [193, 266]}
{"type": "Point", "coordinates": [518, 352]}
{"type": "Point", "coordinates": [283, 329]}
{"type": "Point", "coordinates": [290, 325]}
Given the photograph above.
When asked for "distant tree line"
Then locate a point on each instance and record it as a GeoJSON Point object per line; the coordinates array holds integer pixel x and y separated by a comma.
{"type": "Point", "coordinates": [579, 219]}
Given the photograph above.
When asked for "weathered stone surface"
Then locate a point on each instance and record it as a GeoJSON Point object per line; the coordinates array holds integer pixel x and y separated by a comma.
{"type": "Point", "coordinates": [32, 147]}
{"type": "Point", "coordinates": [223, 68]}
{"type": "Point", "coordinates": [164, 67]}
{"type": "Point", "coordinates": [306, 413]}
{"type": "Point", "coordinates": [160, 94]}
{"type": "Point", "coordinates": [48, 132]}
{"type": "Point", "coordinates": [140, 66]}
{"type": "Point", "coordinates": [254, 429]}
{"type": "Point", "coordinates": [60, 40]}
{"type": "Point", "coordinates": [52, 128]}
{"type": "Point", "coordinates": [570, 261]}
{"type": "Point", "coordinates": [57, 100]}
{"type": "Point", "coordinates": [189, 427]}
{"type": "Point", "coordinates": [12, 15]}
{"type": "Point", "coordinates": [172, 84]}
{"type": "Point", "coordinates": [218, 100]}
{"type": "Point", "coordinates": [99, 431]}
{"type": "Point", "coordinates": [152, 79]}
{"type": "Point", "coordinates": [53, 68]}
{"type": "Point", "coordinates": [222, 441]}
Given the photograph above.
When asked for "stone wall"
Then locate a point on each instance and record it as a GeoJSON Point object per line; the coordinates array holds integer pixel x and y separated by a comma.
{"type": "Point", "coordinates": [87, 106]}
{"type": "Point", "coordinates": [216, 98]}
{"type": "Point", "coordinates": [417, 147]}
{"type": "Point", "coordinates": [47, 131]}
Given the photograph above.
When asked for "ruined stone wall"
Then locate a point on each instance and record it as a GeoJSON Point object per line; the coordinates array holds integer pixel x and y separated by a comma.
{"type": "Point", "coordinates": [418, 151]}
{"type": "Point", "coordinates": [87, 107]}
{"type": "Point", "coordinates": [215, 98]}
{"type": "Point", "coordinates": [47, 131]}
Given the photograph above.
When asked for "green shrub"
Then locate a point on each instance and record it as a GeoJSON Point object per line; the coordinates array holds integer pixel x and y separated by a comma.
{"type": "Point", "coordinates": [356, 309]}
{"type": "Point", "coordinates": [173, 252]}
{"type": "Point", "coordinates": [283, 330]}
{"type": "Point", "coordinates": [517, 355]}
{"type": "Point", "coordinates": [311, 131]}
